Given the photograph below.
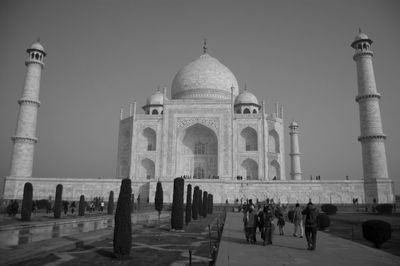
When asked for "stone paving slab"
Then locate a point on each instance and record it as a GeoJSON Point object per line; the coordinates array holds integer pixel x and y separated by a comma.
{"type": "Point", "coordinates": [289, 250]}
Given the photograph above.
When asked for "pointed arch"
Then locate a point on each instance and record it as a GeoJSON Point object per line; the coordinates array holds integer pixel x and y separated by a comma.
{"type": "Point", "coordinates": [148, 168]}
{"type": "Point", "coordinates": [273, 141]}
{"type": "Point", "coordinates": [246, 111]}
{"type": "Point", "coordinates": [197, 152]}
{"type": "Point", "coordinates": [249, 168]}
{"type": "Point", "coordinates": [249, 139]}
{"type": "Point", "coordinates": [149, 139]}
{"type": "Point", "coordinates": [274, 170]}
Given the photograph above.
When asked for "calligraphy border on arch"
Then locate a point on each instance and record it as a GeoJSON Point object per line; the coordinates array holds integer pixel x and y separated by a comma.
{"type": "Point", "coordinates": [185, 122]}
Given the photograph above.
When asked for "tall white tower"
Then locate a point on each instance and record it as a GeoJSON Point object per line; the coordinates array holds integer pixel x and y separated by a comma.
{"type": "Point", "coordinates": [25, 134]}
{"type": "Point", "coordinates": [295, 167]}
{"type": "Point", "coordinates": [372, 138]}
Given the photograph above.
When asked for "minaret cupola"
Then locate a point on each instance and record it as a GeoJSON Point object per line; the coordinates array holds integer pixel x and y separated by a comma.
{"type": "Point", "coordinates": [155, 103]}
{"type": "Point", "coordinates": [246, 103]}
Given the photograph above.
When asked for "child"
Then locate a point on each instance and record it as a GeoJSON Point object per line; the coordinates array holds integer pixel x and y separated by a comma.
{"type": "Point", "coordinates": [281, 224]}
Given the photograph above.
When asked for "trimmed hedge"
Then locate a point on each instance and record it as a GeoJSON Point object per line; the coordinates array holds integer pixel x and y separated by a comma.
{"type": "Point", "coordinates": [26, 209]}
{"type": "Point", "coordinates": [323, 221]}
{"type": "Point", "coordinates": [177, 204]}
{"type": "Point", "coordinates": [123, 225]}
{"type": "Point", "coordinates": [205, 204]}
{"type": "Point", "coordinates": [42, 204]}
{"type": "Point", "coordinates": [82, 206]}
{"type": "Point", "coordinates": [110, 205]}
{"type": "Point", "coordinates": [58, 201]}
{"type": "Point", "coordinates": [188, 212]}
{"type": "Point", "coordinates": [385, 208]}
{"type": "Point", "coordinates": [329, 208]}
{"type": "Point", "coordinates": [195, 205]}
{"type": "Point", "coordinates": [377, 231]}
{"type": "Point", "coordinates": [159, 198]}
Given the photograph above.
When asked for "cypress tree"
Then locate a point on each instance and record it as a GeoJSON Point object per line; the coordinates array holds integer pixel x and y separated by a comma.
{"type": "Point", "coordinates": [195, 205]}
{"type": "Point", "coordinates": [205, 199]}
{"type": "Point", "coordinates": [58, 201]}
{"type": "Point", "coordinates": [177, 205]}
{"type": "Point", "coordinates": [26, 208]}
{"type": "Point", "coordinates": [188, 215]}
{"type": "Point", "coordinates": [110, 205]}
{"type": "Point", "coordinates": [211, 209]}
{"type": "Point", "coordinates": [159, 198]}
{"type": "Point", "coordinates": [82, 206]}
{"type": "Point", "coordinates": [200, 203]}
{"type": "Point", "coordinates": [123, 225]}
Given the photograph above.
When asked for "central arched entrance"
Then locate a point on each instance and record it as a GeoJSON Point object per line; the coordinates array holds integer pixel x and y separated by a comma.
{"type": "Point", "coordinates": [198, 152]}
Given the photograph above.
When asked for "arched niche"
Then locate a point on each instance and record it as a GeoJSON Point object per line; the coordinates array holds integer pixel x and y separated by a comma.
{"type": "Point", "coordinates": [197, 152]}
{"type": "Point", "coordinates": [148, 168]}
{"type": "Point", "coordinates": [149, 139]}
{"type": "Point", "coordinates": [249, 169]}
{"type": "Point", "coordinates": [249, 139]}
{"type": "Point", "coordinates": [274, 170]}
{"type": "Point", "coordinates": [273, 141]}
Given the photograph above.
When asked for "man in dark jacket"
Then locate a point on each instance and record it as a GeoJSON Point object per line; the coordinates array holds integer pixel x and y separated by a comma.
{"type": "Point", "coordinates": [311, 225]}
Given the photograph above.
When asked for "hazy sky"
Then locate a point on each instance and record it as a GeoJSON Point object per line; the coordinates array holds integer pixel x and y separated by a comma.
{"type": "Point", "coordinates": [104, 54]}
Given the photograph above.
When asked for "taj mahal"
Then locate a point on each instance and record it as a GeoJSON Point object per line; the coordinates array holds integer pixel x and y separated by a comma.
{"type": "Point", "coordinates": [214, 135]}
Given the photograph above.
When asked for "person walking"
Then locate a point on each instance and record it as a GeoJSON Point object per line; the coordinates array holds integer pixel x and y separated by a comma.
{"type": "Point", "coordinates": [251, 225]}
{"type": "Point", "coordinates": [267, 225]}
{"type": "Point", "coordinates": [281, 224]}
{"type": "Point", "coordinates": [298, 221]}
{"type": "Point", "coordinates": [311, 225]}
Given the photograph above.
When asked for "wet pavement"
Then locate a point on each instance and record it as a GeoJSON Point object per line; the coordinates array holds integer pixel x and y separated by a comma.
{"type": "Point", "coordinates": [10, 238]}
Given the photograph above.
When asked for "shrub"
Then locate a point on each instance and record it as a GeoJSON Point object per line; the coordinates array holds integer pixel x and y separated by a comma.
{"type": "Point", "coordinates": [177, 205]}
{"type": "Point", "coordinates": [57, 202]}
{"type": "Point", "coordinates": [329, 209]}
{"type": "Point", "coordinates": [384, 208]}
{"type": "Point", "coordinates": [26, 208]}
{"type": "Point", "coordinates": [188, 212]}
{"type": "Point", "coordinates": [159, 198]}
{"type": "Point", "coordinates": [110, 205]}
{"type": "Point", "coordinates": [42, 204]}
{"type": "Point", "coordinates": [81, 211]}
{"type": "Point", "coordinates": [323, 221]}
{"type": "Point", "coordinates": [195, 205]}
{"type": "Point", "coordinates": [290, 215]}
{"type": "Point", "coordinates": [205, 204]}
{"type": "Point", "coordinates": [123, 225]}
{"type": "Point", "coordinates": [377, 231]}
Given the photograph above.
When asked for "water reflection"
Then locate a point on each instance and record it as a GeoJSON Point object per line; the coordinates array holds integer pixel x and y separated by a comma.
{"type": "Point", "coordinates": [10, 238]}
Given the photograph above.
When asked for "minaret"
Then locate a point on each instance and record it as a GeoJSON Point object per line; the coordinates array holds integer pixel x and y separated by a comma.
{"type": "Point", "coordinates": [295, 167]}
{"type": "Point", "coordinates": [25, 134]}
{"type": "Point", "coordinates": [372, 138]}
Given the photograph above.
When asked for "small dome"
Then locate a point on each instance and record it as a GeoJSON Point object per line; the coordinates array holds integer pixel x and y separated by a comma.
{"type": "Point", "coordinates": [204, 78]}
{"type": "Point", "coordinates": [156, 99]}
{"type": "Point", "coordinates": [37, 46]}
{"type": "Point", "coordinates": [361, 36]}
{"type": "Point", "coordinates": [293, 124]}
{"type": "Point", "coordinates": [246, 97]}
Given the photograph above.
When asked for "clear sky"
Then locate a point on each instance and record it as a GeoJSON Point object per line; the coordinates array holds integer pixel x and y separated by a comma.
{"type": "Point", "coordinates": [105, 54]}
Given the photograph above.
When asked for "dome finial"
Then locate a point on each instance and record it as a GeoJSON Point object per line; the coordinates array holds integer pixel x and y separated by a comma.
{"type": "Point", "coordinates": [359, 30]}
{"type": "Point", "coordinates": [204, 46]}
{"type": "Point", "coordinates": [245, 86]}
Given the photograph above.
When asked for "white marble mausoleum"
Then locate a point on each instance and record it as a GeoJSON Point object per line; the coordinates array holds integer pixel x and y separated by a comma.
{"type": "Point", "coordinates": [216, 136]}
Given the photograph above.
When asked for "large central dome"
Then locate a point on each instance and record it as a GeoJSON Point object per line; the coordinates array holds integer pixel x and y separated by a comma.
{"type": "Point", "coordinates": [204, 78]}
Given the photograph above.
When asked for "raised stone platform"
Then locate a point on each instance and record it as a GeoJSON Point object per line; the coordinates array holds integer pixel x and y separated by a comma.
{"type": "Point", "coordinates": [284, 191]}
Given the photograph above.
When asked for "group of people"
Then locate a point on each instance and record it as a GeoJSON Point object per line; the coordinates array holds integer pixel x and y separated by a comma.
{"type": "Point", "coordinates": [263, 219]}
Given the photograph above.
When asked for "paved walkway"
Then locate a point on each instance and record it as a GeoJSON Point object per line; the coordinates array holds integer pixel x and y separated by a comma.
{"type": "Point", "coordinates": [289, 250]}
